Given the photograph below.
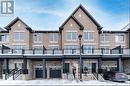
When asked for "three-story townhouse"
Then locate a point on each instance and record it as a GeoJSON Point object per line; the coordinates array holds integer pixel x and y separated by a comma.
{"type": "Point", "coordinates": [30, 54]}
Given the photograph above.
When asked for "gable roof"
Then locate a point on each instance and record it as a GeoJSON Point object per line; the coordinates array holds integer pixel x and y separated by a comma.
{"type": "Point", "coordinates": [14, 21]}
{"type": "Point", "coordinates": [126, 28]}
{"type": "Point", "coordinates": [81, 26]}
{"type": "Point", "coordinates": [86, 12]}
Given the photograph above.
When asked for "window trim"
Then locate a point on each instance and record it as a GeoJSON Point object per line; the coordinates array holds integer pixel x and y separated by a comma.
{"type": "Point", "coordinates": [71, 35]}
{"type": "Point", "coordinates": [19, 35]}
{"type": "Point", "coordinates": [104, 34]}
{"type": "Point", "coordinates": [53, 37]}
{"type": "Point", "coordinates": [117, 35]}
{"type": "Point", "coordinates": [3, 36]}
{"type": "Point", "coordinates": [89, 36]}
{"type": "Point", "coordinates": [36, 36]}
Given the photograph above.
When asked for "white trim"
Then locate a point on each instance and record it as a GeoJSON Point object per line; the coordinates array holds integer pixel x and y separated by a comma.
{"type": "Point", "coordinates": [53, 45]}
{"type": "Point", "coordinates": [89, 43]}
{"type": "Point", "coordinates": [71, 44]}
{"type": "Point", "coordinates": [19, 44]}
{"type": "Point", "coordinates": [14, 36]}
{"type": "Point", "coordinates": [53, 38]}
{"type": "Point", "coordinates": [71, 31]}
{"type": "Point", "coordinates": [89, 36]}
{"type": "Point", "coordinates": [117, 34]}
{"type": "Point", "coordinates": [88, 31]}
{"type": "Point", "coordinates": [104, 41]}
{"type": "Point", "coordinates": [37, 45]}
{"type": "Point", "coordinates": [19, 31]}
{"type": "Point", "coordinates": [120, 44]}
{"type": "Point", "coordinates": [104, 45]}
{"type": "Point", "coordinates": [37, 35]}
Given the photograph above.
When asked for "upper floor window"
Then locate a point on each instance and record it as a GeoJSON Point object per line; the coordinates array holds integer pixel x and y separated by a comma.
{"type": "Point", "coordinates": [105, 49]}
{"type": "Point", "coordinates": [19, 36]}
{"type": "Point", "coordinates": [37, 38]}
{"type": "Point", "coordinates": [104, 37]}
{"type": "Point", "coordinates": [71, 36]}
{"type": "Point", "coordinates": [53, 37]}
{"type": "Point", "coordinates": [120, 38]}
{"type": "Point", "coordinates": [88, 36]}
{"type": "Point", "coordinates": [4, 38]}
{"type": "Point", "coordinates": [88, 48]}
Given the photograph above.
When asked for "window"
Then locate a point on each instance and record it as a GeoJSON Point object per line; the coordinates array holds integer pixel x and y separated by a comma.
{"type": "Point", "coordinates": [71, 36]}
{"type": "Point", "coordinates": [105, 49]}
{"type": "Point", "coordinates": [88, 48]}
{"type": "Point", "coordinates": [89, 36]}
{"type": "Point", "coordinates": [4, 38]}
{"type": "Point", "coordinates": [18, 65]}
{"type": "Point", "coordinates": [104, 37]}
{"type": "Point", "coordinates": [53, 37]}
{"type": "Point", "coordinates": [19, 36]}
{"type": "Point", "coordinates": [19, 46]}
{"type": "Point", "coordinates": [119, 38]}
{"type": "Point", "coordinates": [37, 38]}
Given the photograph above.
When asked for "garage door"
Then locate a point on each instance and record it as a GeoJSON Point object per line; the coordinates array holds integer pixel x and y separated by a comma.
{"type": "Point", "coordinates": [39, 73]}
{"type": "Point", "coordinates": [55, 73]}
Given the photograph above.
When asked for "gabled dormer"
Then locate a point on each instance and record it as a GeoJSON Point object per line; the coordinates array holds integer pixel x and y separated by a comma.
{"type": "Point", "coordinates": [17, 22]}
{"type": "Point", "coordinates": [82, 13]}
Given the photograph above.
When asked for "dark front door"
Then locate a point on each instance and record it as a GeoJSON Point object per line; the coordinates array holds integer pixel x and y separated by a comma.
{"type": "Point", "coordinates": [66, 67]}
{"type": "Point", "coordinates": [93, 67]}
{"type": "Point", "coordinates": [55, 73]}
{"type": "Point", "coordinates": [39, 73]}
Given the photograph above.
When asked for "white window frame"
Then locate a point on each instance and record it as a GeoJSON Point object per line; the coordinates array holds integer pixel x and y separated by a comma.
{"type": "Point", "coordinates": [36, 40]}
{"type": "Point", "coordinates": [4, 38]}
{"type": "Point", "coordinates": [19, 35]}
{"type": "Point", "coordinates": [87, 50]}
{"type": "Point", "coordinates": [88, 36]}
{"type": "Point", "coordinates": [71, 36]}
{"type": "Point", "coordinates": [106, 49]}
{"type": "Point", "coordinates": [105, 38]}
{"type": "Point", "coordinates": [54, 40]}
{"type": "Point", "coordinates": [117, 38]}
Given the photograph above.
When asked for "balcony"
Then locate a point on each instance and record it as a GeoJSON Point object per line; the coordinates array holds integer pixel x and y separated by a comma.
{"type": "Point", "coordinates": [65, 52]}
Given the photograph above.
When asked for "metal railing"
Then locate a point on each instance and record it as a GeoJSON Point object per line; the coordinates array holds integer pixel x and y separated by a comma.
{"type": "Point", "coordinates": [66, 51]}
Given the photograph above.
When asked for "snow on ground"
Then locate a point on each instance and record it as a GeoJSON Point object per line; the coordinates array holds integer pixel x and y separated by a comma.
{"type": "Point", "coordinates": [62, 82]}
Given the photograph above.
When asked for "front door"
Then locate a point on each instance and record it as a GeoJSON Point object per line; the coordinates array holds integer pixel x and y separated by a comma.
{"type": "Point", "coordinates": [93, 67]}
{"type": "Point", "coordinates": [38, 72]}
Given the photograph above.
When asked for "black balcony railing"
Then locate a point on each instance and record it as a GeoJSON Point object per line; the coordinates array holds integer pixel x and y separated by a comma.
{"type": "Point", "coordinates": [65, 51]}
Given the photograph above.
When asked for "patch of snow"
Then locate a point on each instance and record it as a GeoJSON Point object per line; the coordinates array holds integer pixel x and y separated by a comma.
{"type": "Point", "coordinates": [60, 82]}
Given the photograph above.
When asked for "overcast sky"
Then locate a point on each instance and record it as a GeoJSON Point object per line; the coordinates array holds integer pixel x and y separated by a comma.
{"type": "Point", "coordinates": [50, 14]}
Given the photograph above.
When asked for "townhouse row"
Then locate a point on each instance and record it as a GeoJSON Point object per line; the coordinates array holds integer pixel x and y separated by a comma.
{"type": "Point", "coordinates": [30, 54]}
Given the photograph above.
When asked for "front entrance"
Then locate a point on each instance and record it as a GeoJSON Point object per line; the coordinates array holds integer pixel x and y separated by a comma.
{"type": "Point", "coordinates": [55, 73]}
{"type": "Point", "coordinates": [93, 67]}
{"type": "Point", "coordinates": [38, 72]}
